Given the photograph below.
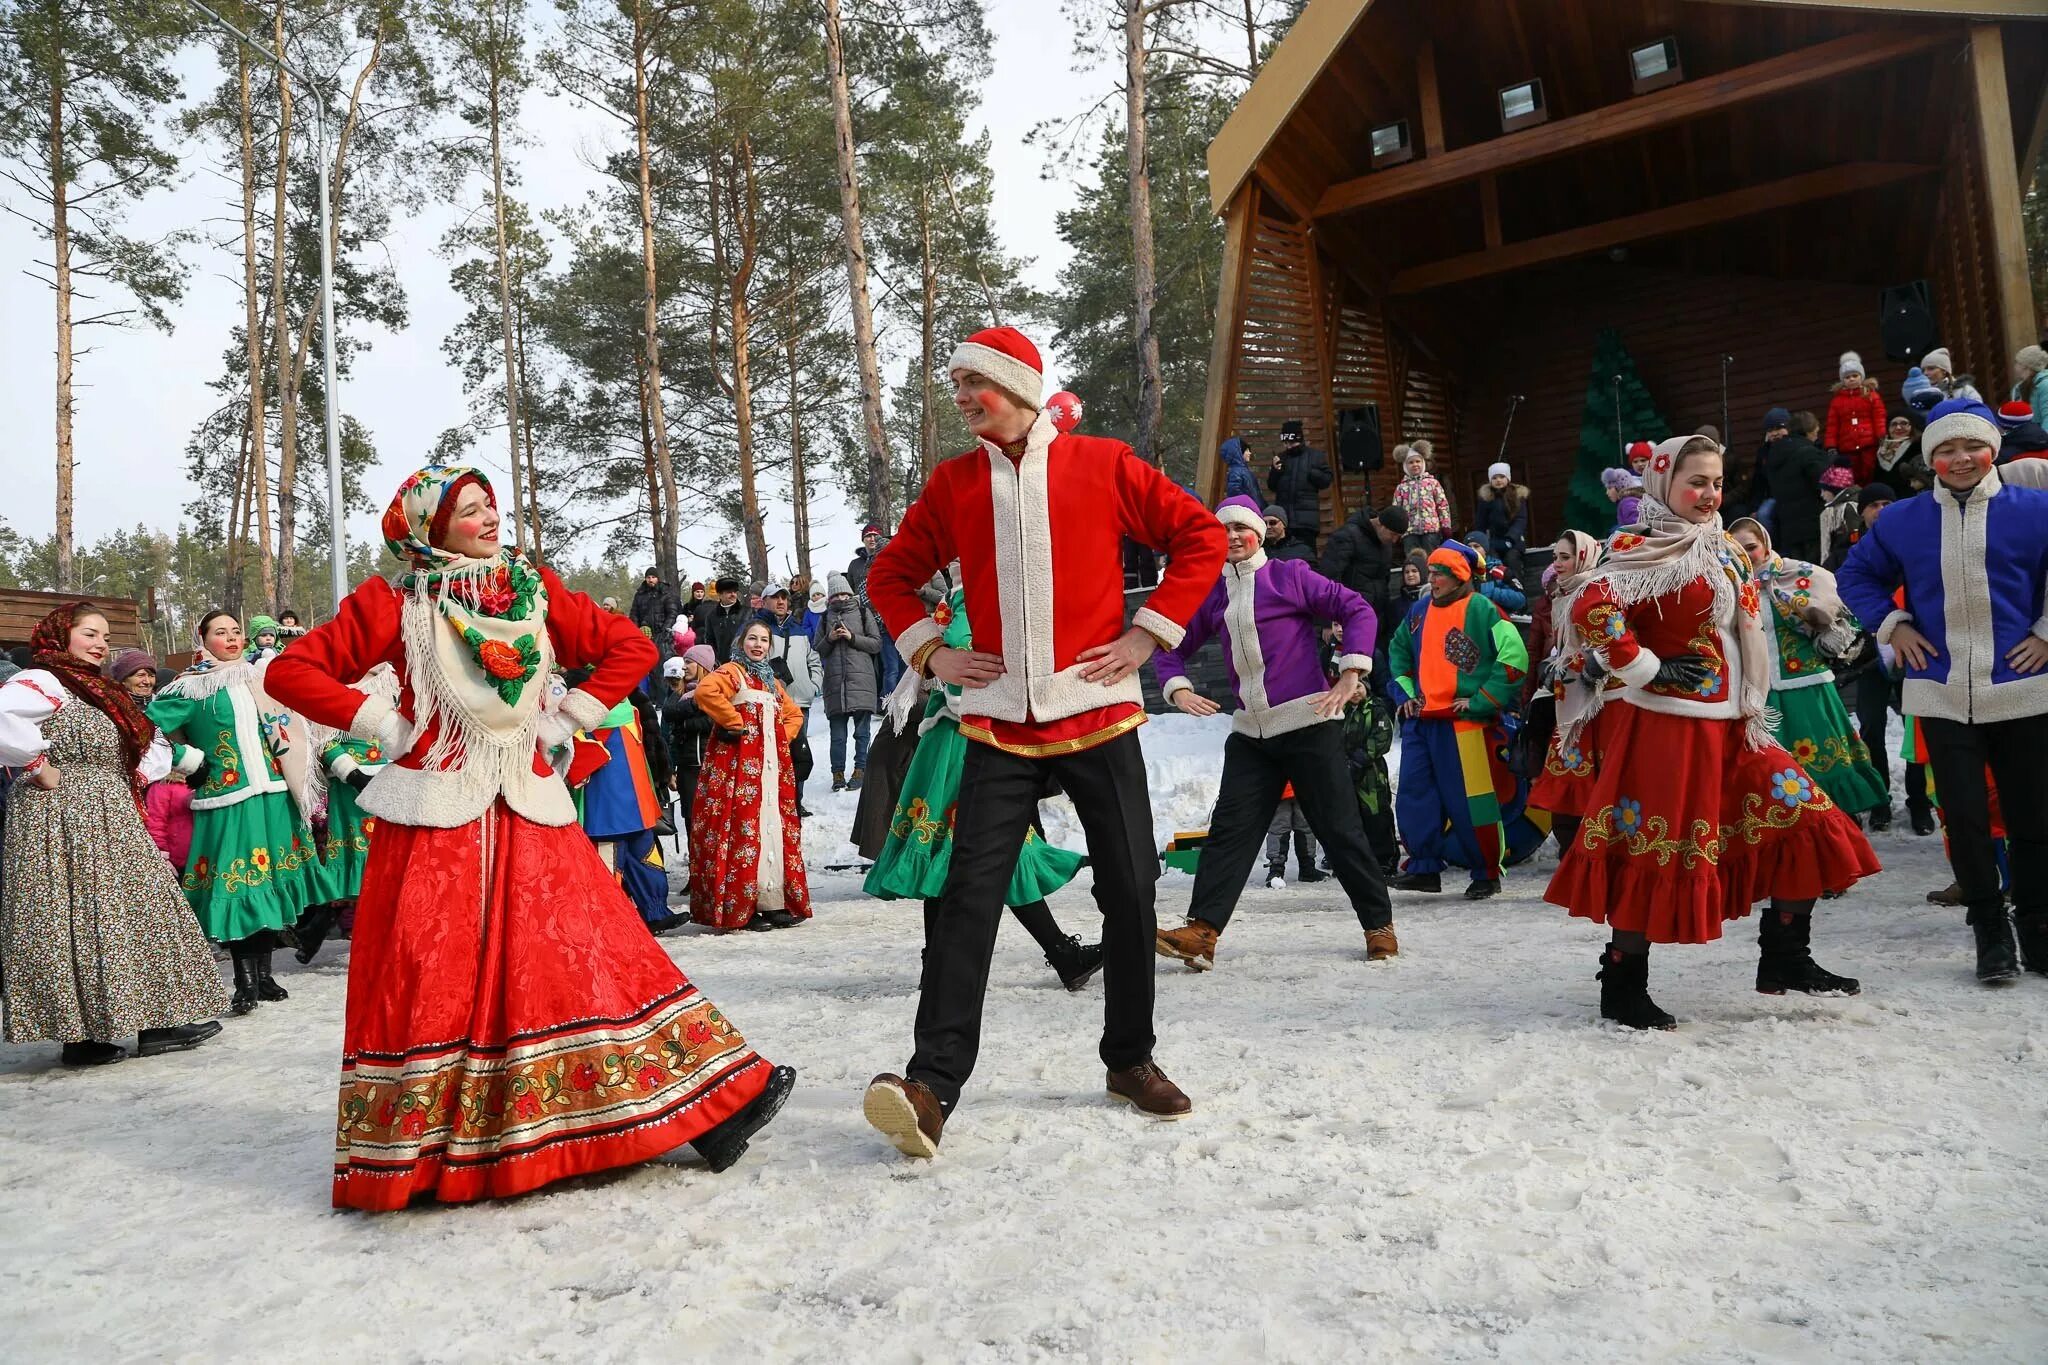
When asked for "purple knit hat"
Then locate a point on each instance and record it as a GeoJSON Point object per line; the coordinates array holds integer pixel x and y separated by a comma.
{"type": "Point", "coordinates": [1242, 511]}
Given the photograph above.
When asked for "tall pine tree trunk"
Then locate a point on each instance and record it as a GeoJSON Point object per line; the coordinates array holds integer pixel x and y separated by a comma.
{"type": "Point", "coordinates": [927, 357]}
{"type": "Point", "coordinates": [275, 584]}
{"type": "Point", "coordinates": [879, 495]}
{"type": "Point", "coordinates": [504, 275]}
{"type": "Point", "coordinates": [533, 523]}
{"type": "Point", "coordinates": [1144, 271]}
{"type": "Point", "coordinates": [255, 441]}
{"type": "Point", "coordinates": [60, 248]}
{"type": "Point", "coordinates": [737, 259]}
{"type": "Point", "coordinates": [667, 515]}
{"type": "Point", "coordinates": [799, 479]}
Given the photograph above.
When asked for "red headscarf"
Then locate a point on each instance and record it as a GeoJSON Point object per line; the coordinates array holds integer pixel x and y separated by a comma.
{"type": "Point", "coordinates": [51, 641]}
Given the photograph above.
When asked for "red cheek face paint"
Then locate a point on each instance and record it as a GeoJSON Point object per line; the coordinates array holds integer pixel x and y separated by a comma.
{"type": "Point", "coordinates": [1969, 459]}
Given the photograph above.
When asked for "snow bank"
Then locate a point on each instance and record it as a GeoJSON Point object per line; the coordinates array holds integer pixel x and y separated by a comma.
{"type": "Point", "coordinates": [1444, 1157]}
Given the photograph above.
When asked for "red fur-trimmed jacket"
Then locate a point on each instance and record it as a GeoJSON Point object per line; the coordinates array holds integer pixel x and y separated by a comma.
{"type": "Point", "coordinates": [1039, 537]}
{"type": "Point", "coordinates": [366, 632]}
{"type": "Point", "coordinates": [1856, 420]}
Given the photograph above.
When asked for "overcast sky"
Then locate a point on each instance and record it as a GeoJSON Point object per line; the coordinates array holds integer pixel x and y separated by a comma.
{"type": "Point", "coordinates": [141, 393]}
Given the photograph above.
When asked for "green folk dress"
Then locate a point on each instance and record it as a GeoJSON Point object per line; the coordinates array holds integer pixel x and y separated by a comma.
{"type": "Point", "coordinates": [346, 849]}
{"type": "Point", "coordinates": [1813, 725]}
{"type": "Point", "coordinates": [254, 863]}
{"type": "Point", "coordinates": [913, 862]}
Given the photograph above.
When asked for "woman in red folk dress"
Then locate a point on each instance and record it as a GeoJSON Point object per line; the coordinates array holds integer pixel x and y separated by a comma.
{"type": "Point", "coordinates": [510, 1020]}
{"type": "Point", "coordinates": [1692, 814]}
{"type": "Point", "coordinates": [746, 856]}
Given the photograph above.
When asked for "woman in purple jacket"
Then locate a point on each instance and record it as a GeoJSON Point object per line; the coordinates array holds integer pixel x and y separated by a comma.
{"type": "Point", "coordinates": [1288, 729]}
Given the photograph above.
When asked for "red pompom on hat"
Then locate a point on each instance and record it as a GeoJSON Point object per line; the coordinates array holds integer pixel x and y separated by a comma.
{"type": "Point", "coordinates": [1006, 356]}
{"type": "Point", "coordinates": [2015, 414]}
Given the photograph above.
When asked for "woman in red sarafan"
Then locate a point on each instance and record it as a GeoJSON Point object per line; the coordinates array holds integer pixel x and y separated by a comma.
{"type": "Point", "coordinates": [510, 1020]}
{"type": "Point", "coordinates": [1693, 814]}
{"type": "Point", "coordinates": [746, 854]}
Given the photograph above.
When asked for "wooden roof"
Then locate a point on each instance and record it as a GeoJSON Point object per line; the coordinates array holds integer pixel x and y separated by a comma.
{"type": "Point", "coordinates": [1343, 87]}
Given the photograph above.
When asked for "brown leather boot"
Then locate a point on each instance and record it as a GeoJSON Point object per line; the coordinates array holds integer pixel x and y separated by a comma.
{"type": "Point", "coordinates": [906, 1113]}
{"type": "Point", "coordinates": [1145, 1088]}
{"type": "Point", "coordinates": [1193, 943]}
{"type": "Point", "coordinates": [1380, 944]}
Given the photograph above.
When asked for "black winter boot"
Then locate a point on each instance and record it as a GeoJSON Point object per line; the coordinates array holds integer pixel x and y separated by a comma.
{"type": "Point", "coordinates": [1075, 961]}
{"type": "Point", "coordinates": [1625, 991]}
{"type": "Point", "coordinates": [1305, 855]}
{"type": "Point", "coordinates": [266, 985]}
{"type": "Point", "coordinates": [727, 1143]}
{"type": "Point", "coordinates": [1997, 955]}
{"type": "Point", "coordinates": [312, 930]}
{"type": "Point", "coordinates": [244, 999]}
{"type": "Point", "coordinates": [1785, 958]}
{"type": "Point", "coordinates": [89, 1053]}
{"type": "Point", "coordinates": [2033, 935]}
{"type": "Point", "coordinates": [1417, 881]}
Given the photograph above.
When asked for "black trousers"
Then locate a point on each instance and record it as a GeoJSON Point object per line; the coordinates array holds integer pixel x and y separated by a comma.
{"type": "Point", "coordinates": [1876, 695]}
{"type": "Point", "coordinates": [999, 795]}
{"type": "Point", "coordinates": [2014, 749]}
{"type": "Point", "coordinates": [1255, 772]}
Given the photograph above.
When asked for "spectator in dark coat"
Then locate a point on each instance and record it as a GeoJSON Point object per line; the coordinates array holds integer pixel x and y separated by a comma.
{"type": "Point", "coordinates": [687, 727]}
{"type": "Point", "coordinates": [1501, 517]}
{"type": "Point", "coordinates": [872, 539]}
{"type": "Point", "coordinates": [1363, 554]}
{"type": "Point", "coordinates": [1298, 477]}
{"type": "Point", "coordinates": [852, 640]}
{"type": "Point", "coordinates": [655, 609]}
{"type": "Point", "coordinates": [722, 620]}
{"type": "Point", "coordinates": [1755, 489]}
{"type": "Point", "coordinates": [1280, 545]}
{"type": "Point", "coordinates": [1792, 471]}
{"type": "Point", "coordinates": [1238, 479]}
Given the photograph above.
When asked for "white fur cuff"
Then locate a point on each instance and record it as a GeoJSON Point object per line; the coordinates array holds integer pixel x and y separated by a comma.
{"type": "Point", "coordinates": [190, 762]}
{"type": "Point", "coordinates": [1887, 627]}
{"type": "Point", "coordinates": [373, 718]}
{"type": "Point", "coordinates": [1010, 374]}
{"type": "Point", "coordinates": [1640, 670]}
{"type": "Point", "coordinates": [343, 765]}
{"type": "Point", "coordinates": [585, 710]}
{"type": "Point", "coordinates": [1175, 686]}
{"type": "Point", "coordinates": [1158, 627]}
{"type": "Point", "coordinates": [1361, 662]}
{"type": "Point", "coordinates": [917, 637]}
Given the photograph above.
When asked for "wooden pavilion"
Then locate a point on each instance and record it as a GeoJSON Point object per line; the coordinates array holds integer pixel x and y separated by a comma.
{"type": "Point", "coordinates": [1752, 200]}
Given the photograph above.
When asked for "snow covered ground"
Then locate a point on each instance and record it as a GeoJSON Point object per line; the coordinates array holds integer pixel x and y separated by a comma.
{"type": "Point", "coordinates": [1444, 1157]}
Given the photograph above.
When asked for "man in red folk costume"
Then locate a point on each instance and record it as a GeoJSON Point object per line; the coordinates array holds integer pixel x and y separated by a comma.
{"type": "Point", "coordinates": [1694, 814]}
{"type": "Point", "coordinates": [510, 1021]}
{"type": "Point", "coordinates": [1051, 692]}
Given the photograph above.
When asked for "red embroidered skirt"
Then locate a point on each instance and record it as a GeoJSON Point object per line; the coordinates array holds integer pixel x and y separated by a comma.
{"type": "Point", "coordinates": [1565, 786]}
{"type": "Point", "coordinates": [1685, 828]}
{"type": "Point", "coordinates": [746, 847]}
{"type": "Point", "coordinates": [512, 1022]}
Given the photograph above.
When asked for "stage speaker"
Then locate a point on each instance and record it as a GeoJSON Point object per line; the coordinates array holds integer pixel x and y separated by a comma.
{"type": "Point", "coordinates": [1358, 439]}
{"type": "Point", "coordinates": [1905, 322]}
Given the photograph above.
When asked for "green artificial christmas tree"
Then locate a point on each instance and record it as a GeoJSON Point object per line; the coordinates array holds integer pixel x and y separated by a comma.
{"type": "Point", "coordinates": [1601, 441]}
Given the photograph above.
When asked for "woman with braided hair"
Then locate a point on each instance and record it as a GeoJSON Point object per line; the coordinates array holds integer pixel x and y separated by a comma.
{"type": "Point", "coordinates": [95, 940]}
{"type": "Point", "coordinates": [510, 1021]}
{"type": "Point", "coordinates": [1694, 814]}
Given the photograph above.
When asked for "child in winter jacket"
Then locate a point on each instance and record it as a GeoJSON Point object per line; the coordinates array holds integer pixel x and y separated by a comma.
{"type": "Point", "coordinates": [1625, 491]}
{"type": "Point", "coordinates": [1934, 380]}
{"type": "Point", "coordinates": [2030, 381]}
{"type": "Point", "coordinates": [1838, 514]}
{"type": "Point", "coordinates": [167, 812]}
{"type": "Point", "coordinates": [1423, 499]}
{"type": "Point", "coordinates": [1856, 423]}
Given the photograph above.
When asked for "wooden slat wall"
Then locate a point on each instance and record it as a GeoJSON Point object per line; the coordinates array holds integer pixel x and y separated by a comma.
{"type": "Point", "coordinates": [1959, 264]}
{"type": "Point", "coordinates": [21, 609]}
{"type": "Point", "coordinates": [1785, 335]}
{"type": "Point", "coordinates": [1277, 378]}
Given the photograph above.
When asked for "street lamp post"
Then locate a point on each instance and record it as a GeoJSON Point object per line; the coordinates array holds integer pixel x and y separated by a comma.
{"type": "Point", "coordinates": [336, 533]}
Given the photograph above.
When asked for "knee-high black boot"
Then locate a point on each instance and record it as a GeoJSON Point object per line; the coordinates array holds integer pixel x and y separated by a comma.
{"type": "Point", "coordinates": [1625, 990]}
{"type": "Point", "coordinates": [1075, 961]}
{"type": "Point", "coordinates": [313, 928]}
{"type": "Point", "coordinates": [262, 946]}
{"type": "Point", "coordinates": [1784, 937]}
{"type": "Point", "coordinates": [244, 998]}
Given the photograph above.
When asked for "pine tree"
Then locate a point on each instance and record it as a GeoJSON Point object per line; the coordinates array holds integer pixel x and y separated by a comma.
{"type": "Point", "coordinates": [1612, 391]}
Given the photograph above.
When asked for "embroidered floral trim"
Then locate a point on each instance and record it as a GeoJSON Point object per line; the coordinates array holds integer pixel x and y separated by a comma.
{"type": "Point", "coordinates": [245, 872]}
{"type": "Point", "coordinates": [1650, 836]}
{"type": "Point", "coordinates": [473, 1101]}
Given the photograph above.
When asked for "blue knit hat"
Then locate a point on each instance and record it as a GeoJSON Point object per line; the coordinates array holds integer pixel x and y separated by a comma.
{"type": "Point", "coordinates": [1960, 417]}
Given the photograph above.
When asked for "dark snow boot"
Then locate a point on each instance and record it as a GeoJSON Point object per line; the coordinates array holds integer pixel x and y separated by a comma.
{"type": "Point", "coordinates": [1483, 889]}
{"type": "Point", "coordinates": [1997, 955]}
{"type": "Point", "coordinates": [2033, 935]}
{"type": "Point", "coordinates": [1417, 881]}
{"type": "Point", "coordinates": [244, 999]}
{"type": "Point", "coordinates": [1305, 855]}
{"type": "Point", "coordinates": [312, 930]}
{"type": "Point", "coordinates": [1625, 991]}
{"type": "Point", "coordinates": [1075, 961]}
{"type": "Point", "coordinates": [727, 1143]}
{"type": "Point", "coordinates": [179, 1038]}
{"type": "Point", "coordinates": [266, 985]}
{"type": "Point", "coordinates": [1785, 958]}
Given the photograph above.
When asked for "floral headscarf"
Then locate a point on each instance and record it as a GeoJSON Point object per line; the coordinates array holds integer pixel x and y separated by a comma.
{"type": "Point", "coordinates": [1586, 553]}
{"type": "Point", "coordinates": [1799, 591]}
{"type": "Point", "coordinates": [1660, 557]}
{"type": "Point", "coordinates": [51, 643]}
